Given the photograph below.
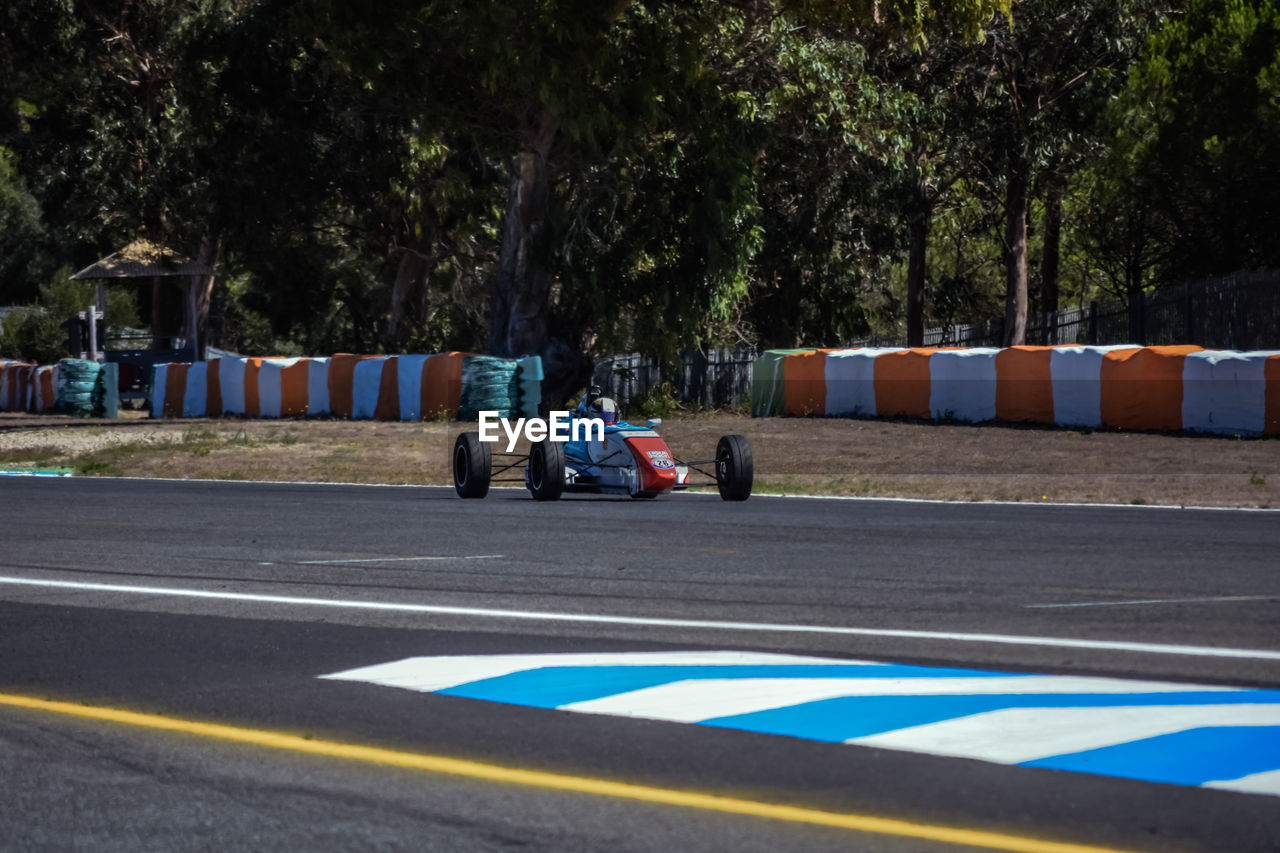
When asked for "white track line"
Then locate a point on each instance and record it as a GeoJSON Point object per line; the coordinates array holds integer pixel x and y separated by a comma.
{"type": "Point", "coordinates": [1016, 503]}
{"type": "Point", "coordinates": [1211, 598]}
{"type": "Point", "coordinates": [709, 494]}
{"type": "Point", "coordinates": [605, 619]}
{"type": "Point", "coordinates": [385, 560]}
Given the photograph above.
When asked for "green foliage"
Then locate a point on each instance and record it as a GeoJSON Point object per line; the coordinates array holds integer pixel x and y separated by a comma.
{"type": "Point", "coordinates": [34, 332]}
{"type": "Point", "coordinates": [239, 328]}
{"type": "Point", "coordinates": [1198, 134]}
{"type": "Point", "coordinates": [659, 401]}
{"type": "Point", "coordinates": [24, 254]}
{"type": "Point", "coordinates": [31, 334]}
{"type": "Point", "coordinates": [708, 173]}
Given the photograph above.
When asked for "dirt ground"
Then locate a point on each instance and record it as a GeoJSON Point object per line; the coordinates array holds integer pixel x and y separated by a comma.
{"type": "Point", "coordinates": [792, 455]}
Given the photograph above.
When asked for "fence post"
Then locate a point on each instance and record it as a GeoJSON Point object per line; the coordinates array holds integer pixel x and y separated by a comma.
{"type": "Point", "coordinates": [696, 363]}
{"type": "Point", "coordinates": [1051, 327]}
{"type": "Point", "coordinates": [1236, 334]}
{"type": "Point", "coordinates": [1189, 328]}
{"type": "Point", "coordinates": [1137, 319]}
{"type": "Point", "coordinates": [1093, 323]}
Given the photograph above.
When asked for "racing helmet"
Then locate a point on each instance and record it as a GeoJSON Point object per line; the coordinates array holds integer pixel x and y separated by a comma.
{"type": "Point", "coordinates": [605, 409]}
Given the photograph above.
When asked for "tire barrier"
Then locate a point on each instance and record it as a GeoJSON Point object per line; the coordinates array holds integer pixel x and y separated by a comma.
{"type": "Point", "coordinates": [360, 387]}
{"type": "Point", "coordinates": [78, 388]}
{"type": "Point", "coordinates": [27, 387]}
{"type": "Point", "coordinates": [488, 384]}
{"type": "Point", "coordinates": [1125, 386]}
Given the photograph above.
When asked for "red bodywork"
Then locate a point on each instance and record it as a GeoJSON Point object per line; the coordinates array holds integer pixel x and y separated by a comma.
{"type": "Point", "coordinates": [654, 463]}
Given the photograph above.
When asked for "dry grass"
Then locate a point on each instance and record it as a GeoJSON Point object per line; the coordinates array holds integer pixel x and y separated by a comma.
{"type": "Point", "coordinates": [793, 455]}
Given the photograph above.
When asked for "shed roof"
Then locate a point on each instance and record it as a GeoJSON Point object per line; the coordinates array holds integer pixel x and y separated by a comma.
{"type": "Point", "coordinates": [143, 259]}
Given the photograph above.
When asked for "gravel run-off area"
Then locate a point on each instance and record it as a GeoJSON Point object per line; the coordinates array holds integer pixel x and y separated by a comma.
{"type": "Point", "coordinates": [792, 455]}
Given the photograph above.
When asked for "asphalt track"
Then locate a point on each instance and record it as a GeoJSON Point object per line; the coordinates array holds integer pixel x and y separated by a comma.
{"type": "Point", "coordinates": [201, 604]}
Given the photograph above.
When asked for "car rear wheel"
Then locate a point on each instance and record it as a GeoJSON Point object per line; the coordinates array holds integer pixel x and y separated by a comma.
{"type": "Point", "coordinates": [735, 470]}
{"type": "Point", "coordinates": [546, 470]}
{"type": "Point", "coordinates": [472, 461]}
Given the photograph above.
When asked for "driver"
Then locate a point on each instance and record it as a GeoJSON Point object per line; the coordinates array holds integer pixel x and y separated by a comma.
{"type": "Point", "coordinates": [595, 406]}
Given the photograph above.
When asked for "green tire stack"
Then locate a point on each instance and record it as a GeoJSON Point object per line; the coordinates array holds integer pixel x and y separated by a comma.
{"type": "Point", "coordinates": [79, 391]}
{"type": "Point", "coordinates": [489, 384]}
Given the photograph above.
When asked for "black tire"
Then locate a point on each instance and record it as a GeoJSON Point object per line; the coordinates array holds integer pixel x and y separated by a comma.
{"type": "Point", "coordinates": [735, 470]}
{"type": "Point", "coordinates": [472, 463]}
{"type": "Point", "coordinates": [546, 470]}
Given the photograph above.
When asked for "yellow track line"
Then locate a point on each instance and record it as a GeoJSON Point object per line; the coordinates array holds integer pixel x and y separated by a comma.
{"type": "Point", "coordinates": [553, 781]}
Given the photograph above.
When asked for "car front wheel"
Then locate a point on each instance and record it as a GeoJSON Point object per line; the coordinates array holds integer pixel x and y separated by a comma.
{"type": "Point", "coordinates": [546, 470]}
{"type": "Point", "coordinates": [735, 469]}
{"type": "Point", "coordinates": [472, 461]}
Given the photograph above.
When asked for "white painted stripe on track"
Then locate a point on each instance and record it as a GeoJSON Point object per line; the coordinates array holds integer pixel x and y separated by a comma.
{"type": "Point", "coordinates": [658, 622]}
{"type": "Point", "coordinates": [383, 560]}
{"type": "Point", "coordinates": [1255, 783]}
{"type": "Point", "coordinates": [712, 494]}
{"type": "Point", "coordinates": [867, 498]}
{"type": "Point", "coordinates": [1204, 600]}
{"type": "Point", "coordinates": [429, 674]}
{"type": "Point", "coordinates": [1015, 735]}
{"type": "Point", "coordinates": [693, 701]}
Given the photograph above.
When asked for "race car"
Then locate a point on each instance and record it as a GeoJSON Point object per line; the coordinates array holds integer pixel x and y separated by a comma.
{"type": "Point", "coordinates": [625, 460]}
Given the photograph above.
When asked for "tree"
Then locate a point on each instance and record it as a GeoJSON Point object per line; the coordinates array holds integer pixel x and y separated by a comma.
{"type": "Point", "coordinates": [219, 129]}
{"type": "Point", "coordinates": [568, 91]}
{"type": "Point", "coordinates": [549, 176]}
{"type": "Point", "coordinates": [1046, 69]}
{"type": "Point", "coordinates": [1198, 134]}
{"type": "Point", "coordinates": [25, 253]}
{"type": "Point", "coordinates": [932, 117]}
{"type": "Point", "coordinates": [109, 138]}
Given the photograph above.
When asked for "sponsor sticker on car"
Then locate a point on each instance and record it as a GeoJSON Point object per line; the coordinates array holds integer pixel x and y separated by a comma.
{"type": "Point", "coordinates": [661, 459]}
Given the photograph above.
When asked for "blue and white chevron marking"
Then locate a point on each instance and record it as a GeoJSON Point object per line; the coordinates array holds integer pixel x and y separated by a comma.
{"type": "Point", "coordinates": [1184, 734]}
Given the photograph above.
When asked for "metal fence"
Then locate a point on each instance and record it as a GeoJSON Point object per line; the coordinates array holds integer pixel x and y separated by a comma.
{"type": "Point", "coordinates": [1236, 311]}
{"type": "Point", "coordinates": [714, 379]}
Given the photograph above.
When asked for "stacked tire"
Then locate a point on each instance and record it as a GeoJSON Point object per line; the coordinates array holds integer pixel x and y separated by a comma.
{"type": "Point", "coordinates": [79, 388]}
{"type": "Point", "coordinates": [489, 384]}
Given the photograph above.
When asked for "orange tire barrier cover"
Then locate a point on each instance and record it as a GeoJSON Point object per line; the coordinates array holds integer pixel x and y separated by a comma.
{"type": "Point", "coordinates": [902, 383]}
{"type": "Point", "coordinates": [1122, 386]}
{"type": "Point", "coordinates": [1142, 388]}
{"type": "Point", "coordinates": [1024, 385]}
{"type": "Point", "coordinates": [404, 387]}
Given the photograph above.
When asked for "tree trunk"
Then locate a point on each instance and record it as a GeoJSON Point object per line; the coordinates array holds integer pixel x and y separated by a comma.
{"type": "Point", "coordinates": [408, 293]}
{"type": "Point", "coordinates": [918, 237]}
{"type": "Point", "coordinates": [1051, 263]}
{"type": "Point", "coordinates": [792, 285]}
{"type": "Point", "coordinates": [518, 312]}
{"type": "Point", "coordinates": [1136, 303]}
{"type": "Point", "coordinates": [209, 254]}
{"type": "Point", "coordinates": [1015, 235]}
{"type": "Point", "coordinates": [161, 311]}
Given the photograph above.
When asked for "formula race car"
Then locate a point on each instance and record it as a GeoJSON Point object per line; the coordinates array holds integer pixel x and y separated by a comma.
{"type": "Point", "coordinates": [620, 459]}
